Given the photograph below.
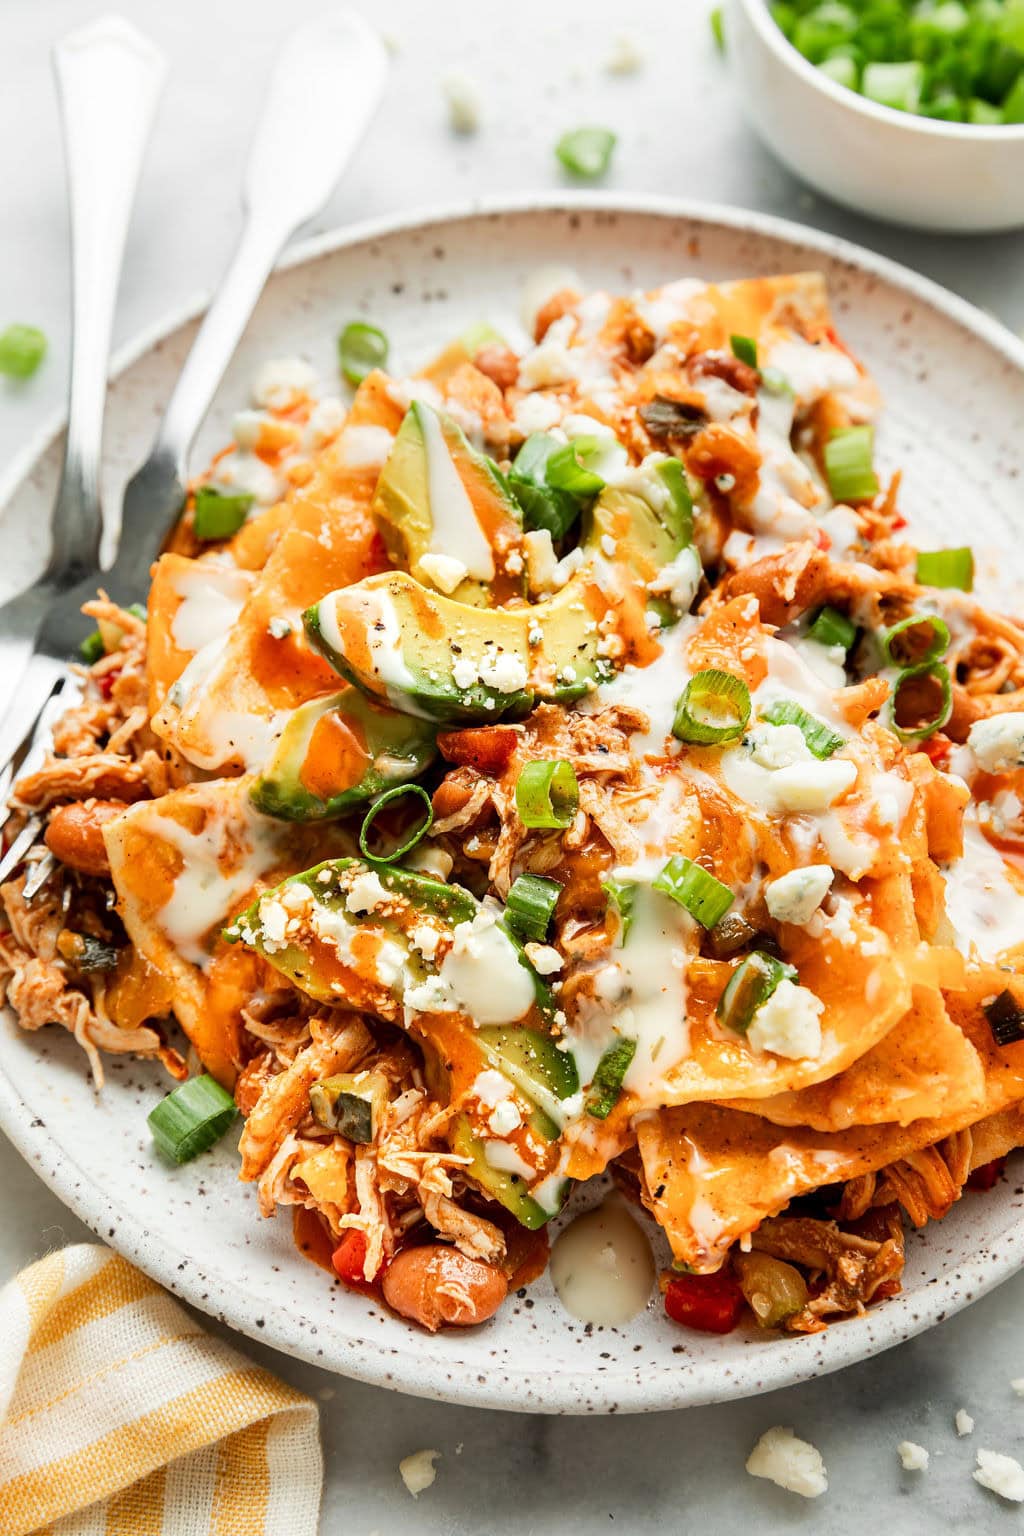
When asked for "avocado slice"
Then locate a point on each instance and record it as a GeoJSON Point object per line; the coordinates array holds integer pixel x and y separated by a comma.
{"type": "Point", "coordinates": [438, 499]}
{"type": "Point", "coordinates": [509, 1189]}
{"type": "Point", "coordinates": [339, 752]}
{"type": "Point", "coordinates": [372, 959]}
{"type": "Point", "coordinates": [443, 660]}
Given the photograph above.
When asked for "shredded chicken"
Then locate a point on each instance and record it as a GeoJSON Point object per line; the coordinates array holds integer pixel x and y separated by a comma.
{"type": "Point", "coordinates": [854, 1268]}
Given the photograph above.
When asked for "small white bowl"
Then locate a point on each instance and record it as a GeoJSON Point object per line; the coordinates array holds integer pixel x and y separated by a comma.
{"type": "Point", "coordinates": [911, 170]}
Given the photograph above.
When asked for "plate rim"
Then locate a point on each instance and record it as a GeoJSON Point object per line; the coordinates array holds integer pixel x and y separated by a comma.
{"type": "Point", "coordinates": [571, 1391]}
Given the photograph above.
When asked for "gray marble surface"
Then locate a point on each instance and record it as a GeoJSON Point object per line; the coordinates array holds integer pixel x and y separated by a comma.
{"type": "Point", "coordinates": [540, 69]}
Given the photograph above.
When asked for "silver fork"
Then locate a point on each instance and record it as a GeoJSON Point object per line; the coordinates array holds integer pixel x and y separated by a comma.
{"type": "Point", "coordinates": [323, 93]}
{"type": "Point", "coordinates": [109, 79]}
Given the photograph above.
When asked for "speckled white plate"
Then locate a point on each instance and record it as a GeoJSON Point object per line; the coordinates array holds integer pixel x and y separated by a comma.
{"type": "Point", "coordinates": [954, 386]}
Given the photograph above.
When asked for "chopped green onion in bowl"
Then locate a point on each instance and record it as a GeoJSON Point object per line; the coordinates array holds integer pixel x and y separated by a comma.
{"type": "Point", "coordinates": [586, 152]}
{"type": "Point", "coordinates": [958, 61]}
{"type": "Point", "coordinates": [361, 349]}
{"type": "Point", "coordinates": [22, 349]}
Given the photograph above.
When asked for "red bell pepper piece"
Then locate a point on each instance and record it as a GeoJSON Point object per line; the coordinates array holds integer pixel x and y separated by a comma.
{"type": "Point", "coordinates": [348, 1260]}
{"type": "Point", "coordinates": [988, 1175]}
{"type": "Point", "coordinates": [710, 1303]}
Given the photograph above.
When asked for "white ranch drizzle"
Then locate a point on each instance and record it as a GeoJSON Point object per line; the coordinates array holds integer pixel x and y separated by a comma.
{"type": "Point", "coordinates": [602, 1267]}
{"type": "Point", "coordinates": [213, 596]}
{"type": "Point", "coordinates": [984, 900]}
{"type": "Point", "coordinates": [454, 527]}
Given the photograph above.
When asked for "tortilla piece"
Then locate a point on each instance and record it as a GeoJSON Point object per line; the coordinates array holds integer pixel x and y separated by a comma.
{"type": "Point", "coordinates": [714, 1174]}
{"type": "Point", "coordinates": [924, 1067]}
{"type": "Point", "coordinates": [183, 866]}
{"type": "Point", "coordinates": [247, 680]}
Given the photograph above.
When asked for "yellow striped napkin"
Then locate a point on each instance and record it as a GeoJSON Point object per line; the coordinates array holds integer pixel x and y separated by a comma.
{"type": "Point", "coordinates": [119, 1416]}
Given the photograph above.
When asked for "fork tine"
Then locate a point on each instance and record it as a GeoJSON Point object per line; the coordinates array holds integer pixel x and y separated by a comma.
{"type": "Point", "coordinates": [21, 845]}
{"type": "Point", "coordinates": [18, 725]}
{"type": "Point", "coordinates": [41, 871]}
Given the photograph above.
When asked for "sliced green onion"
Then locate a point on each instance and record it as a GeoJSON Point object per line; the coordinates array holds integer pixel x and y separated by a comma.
{"type": "Point", "coordinates": [830, 627]}
{"type": "Point", "coordinates": [191, 1118]}
{"type": "Point", "coordinates": [706, 899]}
{"type": "Point", "coordinates": [983, 114]}
{"type": "Point", "coordinates": [586, 152]}
{"type": "Point", "coordinates": [547, 794]}
{"type": "Point", "coordinates": [388, 798]}
{"type": "Point", "coordinates": [717, 21]}
{"type": "Point", "coordinates": [1013, 105]}
{"type": "Point", "coordinates": [542, 505]}
{"type": "Point", "coordinates": [107, 636]}
{"type": "Point", "coordinates": [567, 469]}
{"type": "Point", "coordinates": [673, 476]}
{"type": "Point", "coordinates": [482, 334]}
{"type": "Point", "coordinates": [946, 568]}
{"type": "Point", "coordinates": [824, 28]}
{"type": "Point", "coordinates": [714, 707]}
{"type": "Point", "coordinates": [603, 1093]}
{"type": "Point", "coordinates": [622, 896]}
{"type": "Point", "coordinates": [531, 904]}
{"type": "Point", "coordinates": [821, 739]}
{"type": "Point", "coordinates": [744, 348]}
{"type": "Point", "coordinates": [751, 984]}
{"type": "Point", "coordinates": [894, 85]}
{"type": "Point", "coordinates": [842, 70]}
{"type": "Point", "coordinates": [22, 349]}
{"type": "Point", "coordinates": [92, 648]}
{"type": "Point", "coordinates": [916, 641]}
{"type": "Point", "coordinates": [939, 675]}
{"type": "Point", "coordinates": [774, 382]}
{"type": "Point", "coordinates": [848, 468]}
{"type": "Point", "coordinates": [219, 514]}
{"type": "Point", "coordinates": [361, 349]}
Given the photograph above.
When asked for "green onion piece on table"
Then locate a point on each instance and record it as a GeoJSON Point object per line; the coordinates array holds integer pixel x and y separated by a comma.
{"type": "Point", "coordinates": [531, 904]}
{"type": "Point", "coordinates": [547, 794]}
{"type": "Point", "coordinates": [22, 349]}
{"type": "Point", "coordinates": [717, 21]}
{"type": "Point", "coordinates": [821, 739]}
{"type": "Point", "coordinates": [713, 708]}
{"type": "Point", "coordinates": [361, 349]}
{"type": "Point", "coordinates": [189, 1120]}
{"type": "Point", "coordinates": [916, 641]}
{"type": "Point", "coordinates": [946, 568]}
{"type": "Point", "coordinates": [400, 791]}
{"type": "Point", "coordinates": [706, 899]}
{"type": "Point", "coordinates": [745, 349]}
{"type": "Point", "coordinates": [219, 514]}
{"type": "Point", "coordinates": [751, 984]}
{"type": "Point", "coordinates": [934, 679]}
{"type": "Point", "coordinates": [603, 1093]}
{"type": "Point", "coordinates": [586, 152]}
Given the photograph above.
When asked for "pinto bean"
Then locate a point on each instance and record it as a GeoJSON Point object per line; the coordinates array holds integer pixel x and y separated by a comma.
{"type": "Point", "coordinates": [731, 370]}
{"type": "Point", "coordinates": [74, 834]}
{"type": "Point", "coordinates": [499, 363]}
{"type": "Point", "coordinates": [437, 1286]}
{"type": "Point", "coordinates": [553, 309]}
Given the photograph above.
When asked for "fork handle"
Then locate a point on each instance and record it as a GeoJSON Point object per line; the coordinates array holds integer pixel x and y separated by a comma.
{"type": "Point", "coordinates": [323, 92]}
{"type": "Point", "coordinates": [109, 79]}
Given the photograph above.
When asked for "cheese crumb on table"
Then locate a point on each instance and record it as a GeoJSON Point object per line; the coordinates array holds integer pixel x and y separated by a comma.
{"type": "Point", "coordinates": [463, 100]}
{"type": "Point", "coordinates": [626, 57]}
{"type": "Point", "coordinates": [1002, 1474]}
{"type": "Point", "coordinates": [791, 1463]}
{"type": "Point", "coordinates": [964, 1423]}
{"type": "Point", "coordinates": [1018, 1385]}
{"type": "Point", "coordinates": [418, 1471]}
{"type": "Point", "coordinates": [914, 1457]}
